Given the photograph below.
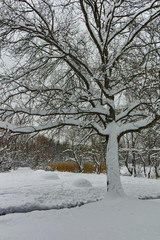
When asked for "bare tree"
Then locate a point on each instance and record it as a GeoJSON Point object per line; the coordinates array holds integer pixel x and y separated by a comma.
{"type": "Point", "coordinates": [128, 153]}
{"type": "Point", "coordinates": [73, 58]}
{"type": "Point", "coordinates": [150, 140]}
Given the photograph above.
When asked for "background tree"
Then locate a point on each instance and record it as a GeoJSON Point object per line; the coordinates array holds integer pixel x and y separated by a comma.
{"type": "Point", "coordinates": [74, 58]}
{"type": "Point", "coordinates": [128, 152]}
{"type": "Point", "coordinates": [84, 148]}
{"type": "Point", "coordinates": [150, 156]}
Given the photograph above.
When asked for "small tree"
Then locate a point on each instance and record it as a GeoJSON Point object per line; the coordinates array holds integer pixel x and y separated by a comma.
{"type": "Point", "coordinates": [97, 152]}
{"type": "Point", "coordinates": [151, 152]}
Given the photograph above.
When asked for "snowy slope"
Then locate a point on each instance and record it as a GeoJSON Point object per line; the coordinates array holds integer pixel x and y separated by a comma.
{"type": "Point", "coordinates": [112, 219]}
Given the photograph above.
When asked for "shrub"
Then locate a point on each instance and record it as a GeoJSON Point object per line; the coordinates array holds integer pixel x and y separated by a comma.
{"type": "Point", "coordinates": [89, 167]}
{"type": "Point", "coordinates": [64, 166]}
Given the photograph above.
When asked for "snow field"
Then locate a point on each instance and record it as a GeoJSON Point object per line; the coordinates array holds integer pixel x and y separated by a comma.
{"type": "Point", "coordinates": [111, 219]}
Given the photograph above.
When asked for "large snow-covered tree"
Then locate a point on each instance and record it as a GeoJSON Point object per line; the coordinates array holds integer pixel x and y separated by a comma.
{"type": "Point", "coordinates": [71, 62]}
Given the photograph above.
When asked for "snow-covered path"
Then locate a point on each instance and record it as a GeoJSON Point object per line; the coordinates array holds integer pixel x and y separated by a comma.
{"type": "Point", "coordinates": [25, 190]}
{"type": "Point", "coordinates": [120, 219]}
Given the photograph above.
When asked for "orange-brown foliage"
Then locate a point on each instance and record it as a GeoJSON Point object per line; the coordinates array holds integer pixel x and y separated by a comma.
{"type": "Point", "coordinates": [103, 167]}
{"type": "Point", "coordinates": [73, 167]}
{"type": "Point", "coordinates": [89, 167]}
{"type": "Point", "coordinates": [64, 166]}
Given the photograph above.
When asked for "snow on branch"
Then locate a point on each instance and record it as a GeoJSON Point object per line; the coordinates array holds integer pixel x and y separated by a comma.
{"type": "Point", "coordinates": [138, 13]}
{"type": "Point", "coordinates": [138, 125]}
{"type": "Point", "coordinates": [60, 112]}
{"type": "Point", "coordinates": [31, 129]}
{"type": "Point", "coordinates": [129, 109]}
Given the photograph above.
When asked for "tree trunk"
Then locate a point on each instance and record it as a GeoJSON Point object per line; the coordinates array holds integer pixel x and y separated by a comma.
{"type": "Point", "coordinates": [134, 173]}
{"type": "Point", "coordinates": [114, 185]}
{"type": "Point", "coordinates": [149, 164]}
{"type": "Point", "coordinates": [130, 170]}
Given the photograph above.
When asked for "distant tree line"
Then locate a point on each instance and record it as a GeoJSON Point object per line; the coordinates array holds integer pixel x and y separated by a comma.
{"type": "Point", "coordinates": [138, 152]}
{"type": "Point", "coordinates": [18, 151]}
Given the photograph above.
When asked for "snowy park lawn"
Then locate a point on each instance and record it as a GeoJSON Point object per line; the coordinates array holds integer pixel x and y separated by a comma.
{"type": "Point", "coordinates": [76, 207]}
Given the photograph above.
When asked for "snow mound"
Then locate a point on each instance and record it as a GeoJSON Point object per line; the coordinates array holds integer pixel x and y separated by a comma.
{"type": "Point", "coordinates": [47, 175]}
{"type": "Point", "coordinates": [50, 176]}
{"type": "Point", "coordinates": [81, 182]}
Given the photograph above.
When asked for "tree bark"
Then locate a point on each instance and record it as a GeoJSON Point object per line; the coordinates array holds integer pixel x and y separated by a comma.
{"type": "Point", "coordinates": [114, 185]}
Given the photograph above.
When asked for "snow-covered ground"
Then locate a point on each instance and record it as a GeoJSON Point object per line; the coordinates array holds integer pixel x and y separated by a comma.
{"type": "Point", "coordinates": [102, 218]}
